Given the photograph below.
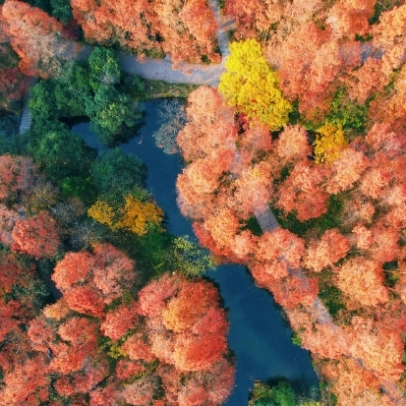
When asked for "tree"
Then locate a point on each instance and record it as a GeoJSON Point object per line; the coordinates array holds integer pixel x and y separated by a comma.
{"type": "Point", "coordinates": [139, 392]}
{"type": "Point", "coordinates": [138, 348]}
{"type": "Point", "coordinates": [115, 174]}
{"type": "Point", "coordinates": [205, 109]}
{"type": "Point", "coordinates": [61, 10]}
{"type": "Point", "coordinates": [302, 191]}
{"type": "Point", "coordinates": [292, 144]}
{"type": "Point", "coordinates": [173, 119]}
{"type": "Point", "coordinates": [350, 381]}
{"type": "Point", "coordinates": [366, 80]}
{"type": "Point", "coordinates": [36, 236]}
{"type": "Point", "coordinates": [279, 245]}
{"type": "Point", "coordinates": [152, 298]}
{"type": "Point", "coordinates": [105, 23]}
{"type": "Point", "coordinates": [254, 16]}
{"type": "Point", "coordinates": [103, 276]}
{"type": "Point", "coordinates": [188, 29]}
{"type": "Point", "coordinates": [184, 30]}
{"type": "Point", "coordinates": [36, 38]}
{"type": "Point", "coordinates": [119, 321]}
{"type": "Point", "coordinates": [348, 18]}
{"type": "Point", "coordinates": [326, 340]}
{"type": "Point", "coordinates": [328, 250]}
{"type": "Point", "coordinates": [346, 170]}
{"type": "Point", "coordinates": [8, 218]}
{"type": "Point", "coordinates": [15, 176]}
{"type": "Point", "coordinates": [379, 348]}
{"type": "Point", "coordinates": [388, 37]}
{"type": "Point", "coordinates": [190, 337]}
{"type": "Point", "coordinates": [28, 384]}
{"type": "Point", "coordinates": [254, 189]}
{"type": "Point", "coordinates": [189, 258]}
{"type": "Point", "coordinates": [306, 69]}
{"type": "Point", "coordinates": [362, 280]}
{"type": "Point", "coordinates": [103, 68]}
{"type": "Point", "coordinates": [194, 353]}
{"type": "Point", "coordinates": [111, 114]}
{"type": "Point", "coordinates": [279, 394]}
{"type": "Point", "coordinates": [12, 272]}
{"type": "Point", "coordinates": [181, 313]}
{"type": "Point", "coordinates": [62, 154]}
{"type": "Point", "coordinates": [329, 144]}
{"type": "Point", "coordinates": [252, 86]}
{"type": "Point", "coordinates": [136, 215]}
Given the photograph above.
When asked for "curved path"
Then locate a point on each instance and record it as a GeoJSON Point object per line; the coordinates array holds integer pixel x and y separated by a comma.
{"type": "Point", "coordinates": [161, 69]}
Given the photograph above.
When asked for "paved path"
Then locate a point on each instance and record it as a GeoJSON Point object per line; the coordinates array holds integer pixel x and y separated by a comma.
{"type": "Point", "coordinates": [25, 117]}
{"type": "Point", "coordinates": [188, 73]}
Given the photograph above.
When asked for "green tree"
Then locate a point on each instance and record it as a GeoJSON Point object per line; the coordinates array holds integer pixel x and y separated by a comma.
{"type": "Point", "coordinates": [280, 394]}
{"type": "Point", "coordinates": [112, 115]}
{"type": "Point", "coordinates": [115, 174]}
{"type": "Point", "coordinates": [62, 153]}
{"type": "Point", "coordinates": [251, 85]}
{"type": "Point", "coordinates": [347, 113]}
{"type": "Point", "coordinates": [61, 10]}
{"type": "Point", "coordinates": [104, 68]}
{"type": "Point", "coordinates": [189, 258]}
{"type": "Point", "coordinates": [72, 91]}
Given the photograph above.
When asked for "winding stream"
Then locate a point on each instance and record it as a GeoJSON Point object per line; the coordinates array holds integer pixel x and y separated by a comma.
{"type": "Point", "coordinates": [259, 334]}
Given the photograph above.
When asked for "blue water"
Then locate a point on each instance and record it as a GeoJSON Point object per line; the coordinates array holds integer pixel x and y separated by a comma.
{"type": "Point", "coordinates": [259, 336]}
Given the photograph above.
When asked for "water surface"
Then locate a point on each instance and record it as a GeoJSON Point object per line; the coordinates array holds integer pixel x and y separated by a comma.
{"type": "Point", "coordinates": [259, 335]}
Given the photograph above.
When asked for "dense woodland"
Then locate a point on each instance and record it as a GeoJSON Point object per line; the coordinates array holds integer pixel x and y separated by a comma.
{"type": "Point", "coordinates": [308, 122]}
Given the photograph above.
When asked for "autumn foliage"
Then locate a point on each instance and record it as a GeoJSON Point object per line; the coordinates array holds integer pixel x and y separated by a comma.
{"type": "Point", "coordinates": [185, 30]}
{"type": "Point", "coordinates": [135, 215]}
{"type": "Point", "coordinates": [36, 38]}
{"type": "Point", "coordinates": [344, 196]}
{"type": "Point", "coordinates": [74, 350]}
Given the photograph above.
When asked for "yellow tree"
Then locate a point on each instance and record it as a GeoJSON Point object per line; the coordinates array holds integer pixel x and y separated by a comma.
{"type": "Point", "coordinates": [329, 143]}
{"type": "Point", "coordinates": [251, 85]}
{"type": "Point", "coordinates": [135, 215]}
{"type": "Point", "coordinates": [103, 213]}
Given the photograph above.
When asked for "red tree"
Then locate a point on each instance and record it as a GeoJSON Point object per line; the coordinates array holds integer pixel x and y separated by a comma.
{"type": "Point", "coordinates": [328, 250]}
{"type": "Point", "coordinates": [15, 176]}
{"type": "Point", "coordinates": [36, 38]}
{"type": "Point", "coordinates": [362, 280]}
{"type": "Point", "coordinates": [302, 192]}
{"type": "Point", "coordinates": [36, 236]}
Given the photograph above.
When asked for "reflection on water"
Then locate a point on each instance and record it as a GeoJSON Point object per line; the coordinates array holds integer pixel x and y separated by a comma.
{"type": "Point", "coordinates": [259, 336]}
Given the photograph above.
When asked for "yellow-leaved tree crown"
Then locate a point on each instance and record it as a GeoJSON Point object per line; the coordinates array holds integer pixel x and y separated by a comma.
{"type": "Point", "coordinates": [251, 85]}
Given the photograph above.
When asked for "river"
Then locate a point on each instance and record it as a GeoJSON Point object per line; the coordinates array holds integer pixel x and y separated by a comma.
{"type": "Point", "coordinates": [259, 335]}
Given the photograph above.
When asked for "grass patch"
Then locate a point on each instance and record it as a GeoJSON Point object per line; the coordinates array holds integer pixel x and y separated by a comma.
{"type": "Point", "coordinates": [157, 89]}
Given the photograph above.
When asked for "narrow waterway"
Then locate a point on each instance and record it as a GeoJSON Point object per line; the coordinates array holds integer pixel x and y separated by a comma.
{"type": "Point", "coordinates": [259, 335]}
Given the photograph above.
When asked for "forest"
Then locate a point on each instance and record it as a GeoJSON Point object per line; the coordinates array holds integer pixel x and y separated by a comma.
{"type": "Point", "coordinates": [293, 166]}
